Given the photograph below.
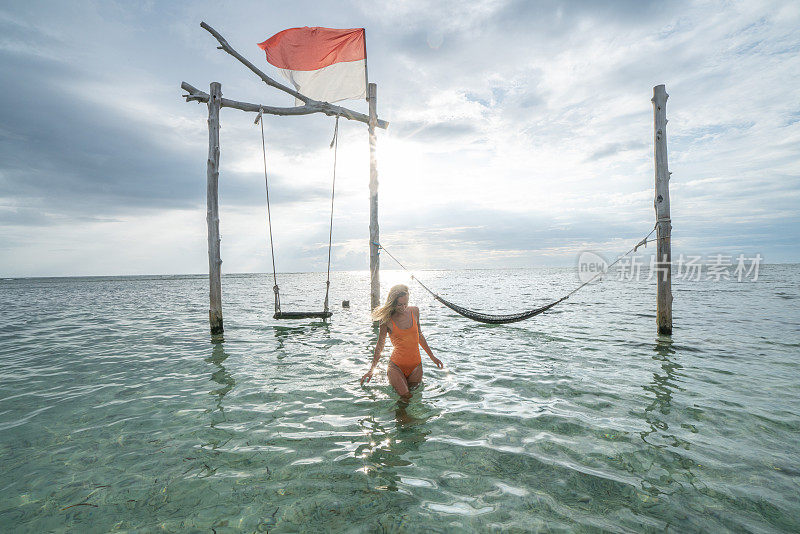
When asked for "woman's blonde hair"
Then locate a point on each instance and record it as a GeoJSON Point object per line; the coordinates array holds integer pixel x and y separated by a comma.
{"type": "Point", "coordinates": [383, 313]}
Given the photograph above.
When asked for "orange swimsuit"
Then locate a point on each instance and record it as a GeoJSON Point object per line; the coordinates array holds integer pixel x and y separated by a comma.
{"type": "Point", "coordinates": [406, 347]}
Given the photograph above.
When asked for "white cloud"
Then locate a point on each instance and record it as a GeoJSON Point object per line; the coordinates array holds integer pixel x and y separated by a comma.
{"type": "Point", "coordinates": [500, 111]}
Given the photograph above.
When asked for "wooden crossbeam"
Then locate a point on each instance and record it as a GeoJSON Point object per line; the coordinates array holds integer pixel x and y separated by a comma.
{"type": "Point", "coordinates": [196, 95]}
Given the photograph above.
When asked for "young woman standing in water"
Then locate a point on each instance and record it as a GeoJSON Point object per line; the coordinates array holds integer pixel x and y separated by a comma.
{"type": "Point", "coordinates": [401, 321]}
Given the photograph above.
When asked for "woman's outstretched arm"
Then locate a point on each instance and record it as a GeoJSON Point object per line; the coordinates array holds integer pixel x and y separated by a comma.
{"type": "Point", "coordinates": [376, 356]}
{"type": "Point", "coordinates": [424, 344]}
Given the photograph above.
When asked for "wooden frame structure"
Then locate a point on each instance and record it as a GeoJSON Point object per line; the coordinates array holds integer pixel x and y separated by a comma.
{"type": "Point", "coordinates": [215, 102]}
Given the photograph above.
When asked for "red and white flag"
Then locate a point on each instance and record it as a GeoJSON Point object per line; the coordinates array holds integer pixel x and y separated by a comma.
{"type": "Point", "coordinates": [322, 63]}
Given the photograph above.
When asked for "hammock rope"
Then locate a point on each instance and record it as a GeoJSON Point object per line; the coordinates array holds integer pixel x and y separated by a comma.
{"type": "Point", "coordinates": [303, 314]}
{"type": "Point", "coordinates": [512, 317]}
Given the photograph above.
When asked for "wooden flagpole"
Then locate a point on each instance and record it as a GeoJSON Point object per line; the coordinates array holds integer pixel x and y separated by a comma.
{"type": "Point", "coordinates": [374, 233]}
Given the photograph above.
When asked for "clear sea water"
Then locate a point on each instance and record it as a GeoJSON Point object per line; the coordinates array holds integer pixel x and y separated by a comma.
{"type": "Point", "coordinates": [119, 412]}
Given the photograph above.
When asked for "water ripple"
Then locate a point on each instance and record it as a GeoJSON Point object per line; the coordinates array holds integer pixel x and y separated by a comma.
{"type": "Point", "coordinates": [118, 413]}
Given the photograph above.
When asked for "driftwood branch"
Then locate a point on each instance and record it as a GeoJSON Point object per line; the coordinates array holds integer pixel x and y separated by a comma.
{"type": "Point", "coordinates": [196, 95]}
{"type": "Point", "coordinates": [267, 80]}
{"type": "Point", "coordinates": [313, 106]}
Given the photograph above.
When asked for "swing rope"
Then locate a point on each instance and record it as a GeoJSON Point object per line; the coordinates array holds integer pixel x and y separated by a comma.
{"type": "Point", "coordinates": [299, 315]}
{"type": "Point", "coordinates": [335, 146]}
{"type": "Point", "coordinates": [269, 215]}
{"type": "Point", "coordinates": [513, 317]}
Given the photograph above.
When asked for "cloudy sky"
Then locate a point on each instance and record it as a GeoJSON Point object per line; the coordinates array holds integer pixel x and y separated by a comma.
{"type": "Point", "coordinates": [521, 134]}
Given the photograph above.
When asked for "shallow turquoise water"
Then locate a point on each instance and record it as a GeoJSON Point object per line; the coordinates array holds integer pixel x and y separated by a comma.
{"type": "Point", "coordinates": [117, 411]}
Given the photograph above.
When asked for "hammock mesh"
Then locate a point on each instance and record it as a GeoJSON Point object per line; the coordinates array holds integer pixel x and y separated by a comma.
{"type": "Point", "coordinates": [495, 319]}
{"type": "Point", "coordinates": [514, 317]}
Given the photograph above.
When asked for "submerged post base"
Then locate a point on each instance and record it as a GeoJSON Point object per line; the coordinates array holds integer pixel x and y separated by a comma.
{"type": "Point", "coordinates": [216, 323]}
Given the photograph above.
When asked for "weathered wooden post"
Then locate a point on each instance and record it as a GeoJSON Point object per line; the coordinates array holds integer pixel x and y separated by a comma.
{"type": "Point", "coordinates": [663, 222]}
{"type": "Point", "coordinates": [374, 234]}
{"type": "Point", "coordinates": [212, 214]}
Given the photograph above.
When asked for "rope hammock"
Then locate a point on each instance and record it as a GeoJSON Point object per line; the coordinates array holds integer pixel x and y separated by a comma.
{"type": "Point", "coordinates": [461, 310]}
{"type": "Point", "coordinates": [279, 314]}
{"type": "Point", "coordinates": [512, 317]}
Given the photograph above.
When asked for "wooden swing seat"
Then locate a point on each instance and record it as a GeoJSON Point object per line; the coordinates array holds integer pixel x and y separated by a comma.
{"type": "Point", "coordinates": [302, 315]}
